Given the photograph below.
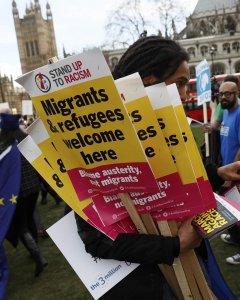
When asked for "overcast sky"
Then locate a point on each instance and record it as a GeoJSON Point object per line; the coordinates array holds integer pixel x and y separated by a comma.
{"type": "Point", "coordinates": [78, 24]}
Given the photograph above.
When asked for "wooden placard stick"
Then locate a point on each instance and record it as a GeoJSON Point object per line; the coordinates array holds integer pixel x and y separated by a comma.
{"type": "Point", "coordinates": [199, 276]}
{"type": "Point", "coordinates": [186, 265]}
{"type": "Point", "coordinates": [167, 271]}
{"type": "Point", "coordinates": [206, 136]}
{"type": "Point", "coordinates": [190, 261]}
{"type": "Point", "coordinates": [185, 278]}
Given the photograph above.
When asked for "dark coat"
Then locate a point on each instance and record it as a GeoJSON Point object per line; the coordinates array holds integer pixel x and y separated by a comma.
{"type": "Point", "coordinates": [145, 282]}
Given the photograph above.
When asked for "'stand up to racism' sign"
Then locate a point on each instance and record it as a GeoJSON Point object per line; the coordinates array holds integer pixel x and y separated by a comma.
{"type": "Point", "coordinates": [80, 106]}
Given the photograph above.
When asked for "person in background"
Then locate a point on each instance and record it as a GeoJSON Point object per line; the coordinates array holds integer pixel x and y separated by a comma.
{"type": "Point", "coordinates": [217, 110]}
{"type": "Point", "coordinates": [156, 60]}
{"type": "Point", "coordinates": [10, 177]}
{"type": "Point", "coordinates": [230, 148]}
{"type": "Point", "coordinates": [23, 226]}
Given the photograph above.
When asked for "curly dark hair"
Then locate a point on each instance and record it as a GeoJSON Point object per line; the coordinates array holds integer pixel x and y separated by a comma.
{"type": "Point", "coordinates": [151, 55]}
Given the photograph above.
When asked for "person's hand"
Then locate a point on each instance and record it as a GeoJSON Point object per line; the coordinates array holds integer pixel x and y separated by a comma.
{"type": "Point", "coordinates": [188, 236]}
{"type": "Point", "coordinates": [207, 128]}
{"type": "Point", "coordinates": [227, 184]}
{"type": "Point", "coordinates": [213, 105]}
{"type": "Point", "coordinates": [230, 171]}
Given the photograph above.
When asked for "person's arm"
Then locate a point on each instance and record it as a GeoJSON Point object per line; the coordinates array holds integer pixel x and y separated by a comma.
{"type": "Point", "coordinates": [230, 171]}
{"type": "Point", "coordinates": [217, 176]}
{"type": "Point", "coordinates": [138, 248]}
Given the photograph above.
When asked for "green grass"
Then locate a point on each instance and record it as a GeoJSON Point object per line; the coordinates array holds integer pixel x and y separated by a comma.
{"type": "Point", "coordinates": [59, 281]}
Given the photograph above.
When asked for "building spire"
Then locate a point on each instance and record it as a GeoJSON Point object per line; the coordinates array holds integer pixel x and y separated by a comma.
{"type": "Point", "coordinates": [14, 9]}
{"type": "Point", "coordinates": [49, 12]}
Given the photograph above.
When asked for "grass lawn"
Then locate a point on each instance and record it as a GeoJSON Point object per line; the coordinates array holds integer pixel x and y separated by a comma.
{"type": "Point", "coordinates": [59, 281]}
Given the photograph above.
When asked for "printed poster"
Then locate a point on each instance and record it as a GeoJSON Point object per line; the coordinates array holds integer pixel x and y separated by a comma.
{"type": "Point", "coordinates": [78, 102]}
{"type": "Point", "coordinates": [98, 275]}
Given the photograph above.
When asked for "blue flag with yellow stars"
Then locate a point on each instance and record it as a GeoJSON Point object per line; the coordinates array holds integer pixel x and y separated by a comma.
{"type": "Point", "coordinates": [10, 176]}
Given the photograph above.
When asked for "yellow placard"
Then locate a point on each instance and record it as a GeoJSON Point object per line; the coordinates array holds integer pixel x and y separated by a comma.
{"type": "Point", "coordinates": [34, 155]}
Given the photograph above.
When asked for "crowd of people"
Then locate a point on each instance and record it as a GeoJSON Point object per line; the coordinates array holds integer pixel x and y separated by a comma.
{"type": "Point", "coordinates": [225, 128]}
{"type": "Point", "coordinates": [157, 60]}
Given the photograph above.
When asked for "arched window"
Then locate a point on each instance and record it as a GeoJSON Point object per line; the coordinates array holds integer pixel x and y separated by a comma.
{"type": "Point", "coordinates": [192, 72]}
{"type": "Point", "coordinates": [203, 28]}
{"type": "Point", "coordinates": [36, 47]}
{"type": "Point", "coordinates": [237, 67]}
{"type": "Point", "coordinates": [226, 47]}
{"type": "Point", "coordinates": [27, 49]}
{"type": "Point", "coordinates": [191, 51]}
{"type": "Point", "coordinates": [114, 61]}
{"type": "Point", "coordinates": [218, 68]}
{"type": "Point", "coordinates": [204, 50]}
{"type": "Point", "coordinates": [32, 48]}
{"type": "Point", "coordinates": [215, 47]}
{"type": "Point", "coordinates": [235, 46]}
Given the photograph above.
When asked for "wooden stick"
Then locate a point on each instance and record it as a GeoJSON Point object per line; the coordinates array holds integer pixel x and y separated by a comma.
{"type": "Point", "coordinates": [206, 136]}
{"type": "Point", "coordinates": [126, 200]}
{"type": "Point", "coordinates": [192, 268]}
{"type": "Point", "coordinates": [199, 276]}
{"type": "Point", "coordinates": [185, 281]}
{"type": "Point", "coordinates": [167, 271]}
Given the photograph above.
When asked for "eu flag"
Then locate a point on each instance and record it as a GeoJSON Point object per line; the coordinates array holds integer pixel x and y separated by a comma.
{"type": "Point", "coordinates": [10, 176]}
{"type": "Point", "coordinates": [217, 282]}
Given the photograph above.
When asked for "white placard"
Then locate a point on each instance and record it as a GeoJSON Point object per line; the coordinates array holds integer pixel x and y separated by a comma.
{"type": "Point", "coordinates": [233, 194]}
{"type": "Point", "coordinates": [4, 106]}
{"type": "Point", "coordinates": [98, 275]}
{"type": "Point", "coordinates": [27, 107]}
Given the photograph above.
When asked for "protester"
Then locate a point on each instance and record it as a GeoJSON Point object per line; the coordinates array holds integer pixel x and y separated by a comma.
{"type": "Point", "coordinates": [230, 129]}
{"type": "Point", "coordinates": [157, 60]}
{"type": "Point", "coordinates": [216, 109]}
{"type": "Point", "coordinates": [23, 226]}
{"type": "Point", "coordinates": [10, 171]}
{"type": "Point", "coordinates": [230, 148]}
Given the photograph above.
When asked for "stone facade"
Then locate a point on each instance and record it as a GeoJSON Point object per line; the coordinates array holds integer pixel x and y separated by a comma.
{"type": "Point", "coordinates": [212, 32]}
{"type": "Point", "coordinates": [36, 44]}
{"type": "Point", "coordinates": [35, 36]}
{"type": "Point", "coordinates": [11, 94]}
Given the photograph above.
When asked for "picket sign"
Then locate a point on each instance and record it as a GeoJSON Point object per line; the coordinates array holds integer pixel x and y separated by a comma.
{"type": "Point", "coordinates": [185, 277]}
{"type": "Point", "coordinates": [175, 275]}
{"type": "Point", "coordinates": [142, 224]}
{"type": "Point", "coordinates": [190, 260]}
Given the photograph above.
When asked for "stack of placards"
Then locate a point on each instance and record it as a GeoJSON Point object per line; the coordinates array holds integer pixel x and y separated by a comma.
{"type": "Point", "coordinates": [121, 156]}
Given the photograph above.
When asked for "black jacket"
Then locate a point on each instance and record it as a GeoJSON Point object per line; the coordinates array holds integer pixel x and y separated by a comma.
{"type": "Point", "coordinates": [145, 282]}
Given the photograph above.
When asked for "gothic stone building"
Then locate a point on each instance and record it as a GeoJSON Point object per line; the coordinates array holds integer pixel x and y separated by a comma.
{"type": "Point", "coordinates": [212, 32]}
{"type": "Point", "coordinates": [35, 36]}
{"type": "Point", "coordinates": [36, 44]}
{"type": "Point", "coordinates": [11, 94]}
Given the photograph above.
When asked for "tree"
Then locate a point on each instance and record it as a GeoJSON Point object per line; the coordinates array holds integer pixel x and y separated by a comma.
{"type": "Point", "coordinates": [134, 17]}
{"type": "Point", "coordinates": [171, 16]}
{"type": "Point", "coordinates": [125, 24]}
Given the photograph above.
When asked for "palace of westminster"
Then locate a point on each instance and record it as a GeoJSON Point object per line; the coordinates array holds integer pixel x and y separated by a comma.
{"type": "Point", "coordinates": [212, 32]}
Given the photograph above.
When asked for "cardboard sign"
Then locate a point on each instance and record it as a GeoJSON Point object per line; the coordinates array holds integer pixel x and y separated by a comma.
{"type": "Point", "coordinates": [79, 104]}
{"type": "Point", "coordinates": [34, 155]}
{"type": "Point", "coordinates": [27, 107]}
{"type": "Point", "coordinates": [150, 135]}
{"type": "Point", "coordinates": [192, 149]}
{"type": "Point", "coordinates": [98, 275]}
{"type": "Point", "coordinates": [4, 106]}
{"type": "Point", "coordinates": [203, 82]}
{"type": "Point", "coordinates": [159, 97]}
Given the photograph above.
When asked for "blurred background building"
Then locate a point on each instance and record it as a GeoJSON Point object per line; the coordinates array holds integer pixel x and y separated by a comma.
{"type": "Point", "coordinates": [212, 32]}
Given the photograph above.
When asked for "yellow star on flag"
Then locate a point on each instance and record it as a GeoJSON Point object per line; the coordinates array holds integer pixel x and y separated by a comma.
{"type": "Point", "coordinates": [13, 199]}
{"type": "Point", "coordinates": [1, 201]}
